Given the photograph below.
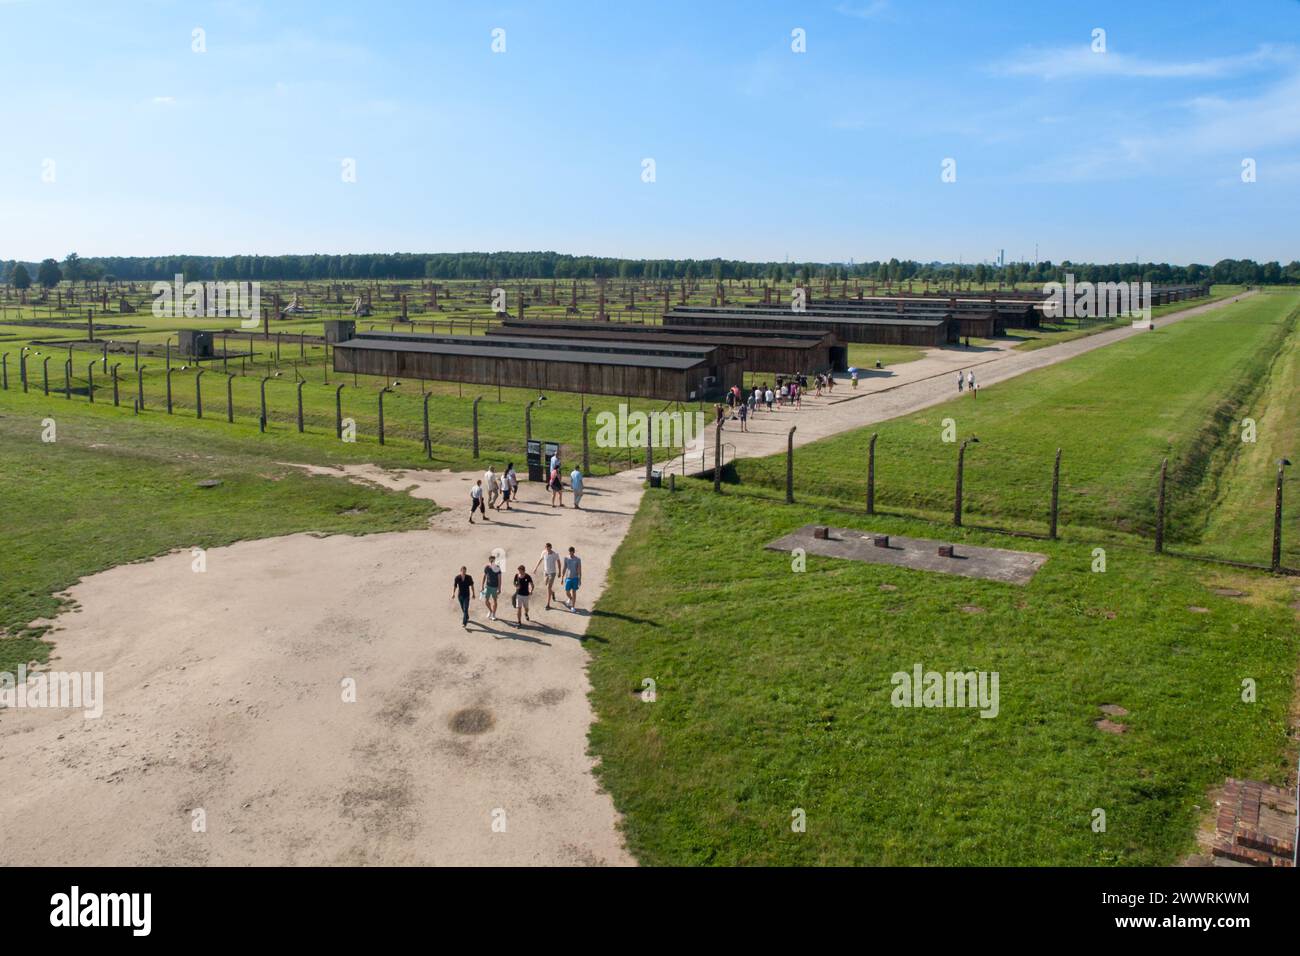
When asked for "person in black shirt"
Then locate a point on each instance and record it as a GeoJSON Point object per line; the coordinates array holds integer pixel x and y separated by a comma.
{"type": "Point", "coordinates": [462, 589]}
{"type": "Point", "coordinates": [523, 589]}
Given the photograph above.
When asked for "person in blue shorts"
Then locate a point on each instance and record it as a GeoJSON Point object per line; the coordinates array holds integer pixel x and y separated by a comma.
{"type": "Point", "coordinates": [572, 580]}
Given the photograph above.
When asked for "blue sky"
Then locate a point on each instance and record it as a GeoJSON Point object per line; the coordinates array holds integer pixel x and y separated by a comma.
{"type": "Point", "coordinates": [760, 152]}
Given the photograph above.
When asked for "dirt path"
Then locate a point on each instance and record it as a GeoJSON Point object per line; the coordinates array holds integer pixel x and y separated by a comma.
{"type": "Point", "coordinates": [224, 689]}
{"type": "Point", "coordinates": [223, 693]}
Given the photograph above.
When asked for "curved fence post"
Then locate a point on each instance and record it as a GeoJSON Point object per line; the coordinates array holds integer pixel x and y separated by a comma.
{"type": "Point", "coordinates": [789, 466]}
{"type": "Point", "coordinates": [586, 448]}
{"type": "Point", "coordinates": [261, 422]}
{"type": "Point", "coordinates": [717, 457]}
{"type": "Point", "coordinates": [428, 442]}
{"type": "Point", "coordinates": [1160, 507]}
{"type": "Point", "coordinates": [871, 474]}
{"type": "Point", "coordinates": [1056, 492]}
{"type": "Point", "coordinates": [476, 401]}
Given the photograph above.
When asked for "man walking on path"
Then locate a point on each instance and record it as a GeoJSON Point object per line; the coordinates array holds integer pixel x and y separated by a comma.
{"type": "Point", "coordinates": [523, 590]}
{"type": "Point", "coordinates": [572, 579]}
{"type": "Point", "coordinates": [549, 562]}
{"type": "Point", "coordinates": [960, 382]}
{"type": "Point", "coordinates": [744, 415]}
{"type": "Point", "coordinates": [476, 501]}
{"type": "Point", "coordinates": [970, 381]}
{"type": "Point", "coordinates": [462, 589]}
{"type": "Point", "coordinates": [491, 585]}
{"type": "Point", "coordinates": [575, 483]}
{"type": "Point", "coordinates": [492, 485]}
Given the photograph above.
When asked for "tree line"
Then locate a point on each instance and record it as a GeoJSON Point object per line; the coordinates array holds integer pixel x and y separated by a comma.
{"type": "Point", "coordinates": [553, 265]}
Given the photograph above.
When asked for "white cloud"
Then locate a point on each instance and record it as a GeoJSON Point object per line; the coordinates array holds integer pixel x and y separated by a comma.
{"type": "Point", "coordinates": [1064, 62]}
{"type": "Point", "coordinates": [1269, 119]}
{"type": "Point", "coordinates": [1214, 129]}
{"type": "Point", "coordinates": [164, 101]}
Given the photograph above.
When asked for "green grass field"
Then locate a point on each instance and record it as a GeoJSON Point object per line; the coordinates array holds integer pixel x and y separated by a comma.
{"type": "Point", "coordinates": [773, 693]}
{"type": "Point", "coordinates": [773, 686]}
{"type": "Point", "coordinates": [1179, 392]}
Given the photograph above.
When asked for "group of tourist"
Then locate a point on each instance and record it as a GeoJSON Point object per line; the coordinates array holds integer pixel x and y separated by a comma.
{"type": "Point", "coordinates": [493, 491]}
{"type": "Point", "coordinates": [788, 393]}
{"type": "Point", "coordinates": [497, 491]}
{"type": "Point", "coordinates": [969, 382]}
{"type": "Point", "coordinates": [551, 565]}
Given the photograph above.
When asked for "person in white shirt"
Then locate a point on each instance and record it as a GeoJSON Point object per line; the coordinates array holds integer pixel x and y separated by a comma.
{"type": "Point", "coordinates": [509, 487]}
{"type": "Point", "coordinates": [492, 486]}
{"type": "Point", "coordinates": [476, 501]}
{"type": "Point", "coordinates": [549, 562]}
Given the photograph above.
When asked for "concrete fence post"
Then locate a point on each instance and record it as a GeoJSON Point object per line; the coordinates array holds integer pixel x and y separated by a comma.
{"type": "Point", "coordinates": [476, 401]}
{"type": "Point", "coordinates": [1277, 516]}
{"type": "Point", "coordinates": [586, 447]}
{"type": "Point", "coordinates": [871, 474]}
{"type": "Point", "coordinates": [428, 442]}
{"type": "Point", "coordinates": [1056, 493]}
{"type": "Point", "coordinates": [1160, 507]}
{"type": "Point", "coordinates": [789, 466]}
{"type": "Point", "coordinates": [961, 468]}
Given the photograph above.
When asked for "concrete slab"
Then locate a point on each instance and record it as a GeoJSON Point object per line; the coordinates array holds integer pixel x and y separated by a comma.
{"type": "Point", "coordinates": [921, 554]}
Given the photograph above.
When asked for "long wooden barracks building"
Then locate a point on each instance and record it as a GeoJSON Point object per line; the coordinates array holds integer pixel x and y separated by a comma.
{"type": "Point", "coordinates": [669, 371]}
{"type": "Point", "coordinates": [931, 330]}
{"type": "Point", "coordinates": [757, 350]}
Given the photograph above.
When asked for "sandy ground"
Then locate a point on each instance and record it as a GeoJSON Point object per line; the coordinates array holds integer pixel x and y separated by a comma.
{"type": "Point", "coordinates": [223, 693]}
{"type": "Point", "coordinates": [224, 689]}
